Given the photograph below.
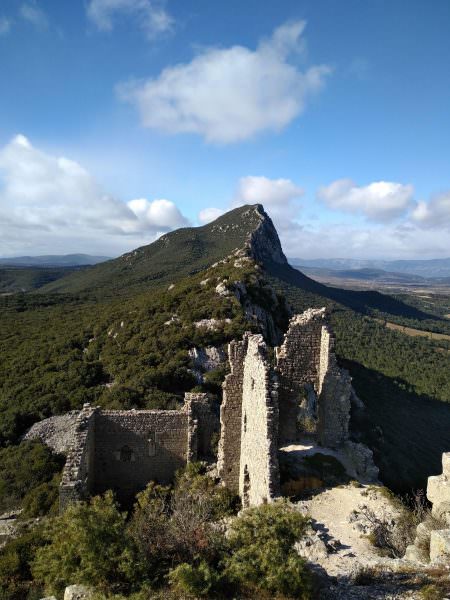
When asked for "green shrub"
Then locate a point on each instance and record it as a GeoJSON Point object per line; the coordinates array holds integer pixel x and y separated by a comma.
{"type": "Point", "coordinates": [23, 469]}
{"type": "Point", "coordinates": [197, 580]}
{"type": "Point", "coordinates": [262, 551]}
{"type": "Point", "coordinates": [15, 559]}
{"type": "Point", "coordinates": [87, 544]}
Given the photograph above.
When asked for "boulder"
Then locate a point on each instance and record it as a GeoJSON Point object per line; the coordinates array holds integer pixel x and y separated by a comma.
{"type": "Point", "coordinates": [413, 554]}
{"type": "Point", "coordinates": [440, 545]}
{"type": "Point", "coordinates": [78, 592]}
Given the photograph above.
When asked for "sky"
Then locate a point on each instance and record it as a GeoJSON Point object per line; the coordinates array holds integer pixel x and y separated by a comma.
{"type": "Point", "coordinates": [121, 120]}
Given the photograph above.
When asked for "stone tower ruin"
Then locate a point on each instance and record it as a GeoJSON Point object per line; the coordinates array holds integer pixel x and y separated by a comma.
{"type": "Point", "coordinates": [267, 405]}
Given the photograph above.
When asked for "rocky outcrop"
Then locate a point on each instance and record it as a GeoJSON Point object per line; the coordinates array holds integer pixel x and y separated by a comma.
{"type": "Point", "coordinates": [432, 542]}
{"type": "Point", "coordinates": [264, 243]}
{"type": "Point", "coordinates": [208, 358]}
{"type": "Point", "coordinates": [78, 592]}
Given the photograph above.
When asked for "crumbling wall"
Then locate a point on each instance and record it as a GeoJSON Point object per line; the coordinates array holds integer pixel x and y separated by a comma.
{"type": "Point", "coordinates": [301, 360]}
{"type": "Point", "coordinates": [334, 404]}
{"type": "Point", "coordinates": [228, 462]}
{"type": "Point", "coordinates": [136, 446]}
{"type": "Point", "coordinates": [203, 424]}
{"type": "Point", "coordinates": [258, 472]}
{"type": "Point", "coordinates": [123, 450]}
{"type": "Point", "coordinates": [77, 480]}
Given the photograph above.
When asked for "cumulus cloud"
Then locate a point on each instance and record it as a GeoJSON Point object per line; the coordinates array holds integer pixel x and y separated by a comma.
{"type": "Point", "coordinates": [379, 201]}
{"type": "Point", "coordinates": [435, 213]}
{"type": "Point", "coordinates": [209, 214]}
{"type": "Point", "coordinates": [49, 202]}
{"type": "Point", "coordinates": [34, 15]}
{"type": "Point", "coordinates": [150, 15]}
{"type": "Point", "coordinates": [5, 26]}
{"type": "Point", "coordinates": [231, 94]}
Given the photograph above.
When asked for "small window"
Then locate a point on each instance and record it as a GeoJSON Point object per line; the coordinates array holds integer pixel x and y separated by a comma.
{"type": "Point", "coordinates": [245, 422]}
{"type": "Point", "coordinates": [151, 443]}
{"type": "Point", "coordinates": [126, 454]}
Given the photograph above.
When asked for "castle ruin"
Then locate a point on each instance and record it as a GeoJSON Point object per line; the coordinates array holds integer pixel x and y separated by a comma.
{"type": "Point", "coordinates": [269, 399]}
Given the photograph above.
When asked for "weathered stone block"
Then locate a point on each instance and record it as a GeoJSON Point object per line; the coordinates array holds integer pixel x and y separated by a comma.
{"type": "Point", "coordinates": [440, 545]}
{"type": "Point", "coordinates": [446, 464]}
{"type": "Point", "coordinates": [78, 592]}
{"type": "Point", "coordinates": [438, 491]}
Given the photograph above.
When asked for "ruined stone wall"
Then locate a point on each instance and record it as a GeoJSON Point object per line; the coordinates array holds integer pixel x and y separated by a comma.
{"type": "Point", "coordinates": [203, 424]}
{"type": "Point", "coordinates": [231, 417]}
{"type": "Point", "coordinates": [137, 446]}
{"type": "Point", "coordinates": [334, 403]}
{"type": "Point", "coordinates": [77, 480]}
{"type": "Point", "coordinates": [258, 472]}
{"type": "Point", "coordinates": [301, 360]}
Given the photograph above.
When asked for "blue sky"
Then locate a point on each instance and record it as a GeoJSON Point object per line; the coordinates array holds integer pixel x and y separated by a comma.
{"type": "Point", "coordinates": [122, 119]}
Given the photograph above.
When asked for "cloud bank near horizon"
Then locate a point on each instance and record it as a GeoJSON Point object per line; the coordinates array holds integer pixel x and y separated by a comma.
{"type": "Point", "coordinates": [51, 204]}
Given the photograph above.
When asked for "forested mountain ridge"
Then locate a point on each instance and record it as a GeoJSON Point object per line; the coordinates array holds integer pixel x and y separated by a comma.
{"type": "Point", "coordinates": [181, 253]}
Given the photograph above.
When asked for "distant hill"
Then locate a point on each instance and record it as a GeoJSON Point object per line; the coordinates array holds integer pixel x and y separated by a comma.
{"type": "Point", "coordinates": [65, 260]}
{"type": "Point", "coordinates": [27, 279]}
{"type": "Point", "coordinates": [433, 268]}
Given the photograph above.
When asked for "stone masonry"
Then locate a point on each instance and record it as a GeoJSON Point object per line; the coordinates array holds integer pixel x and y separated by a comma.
{"type": "Point", "coordinates": [124, 450]}
{"type": "Point", "coordinates": [262, 404]}
{"type": "Point", "coordinates": [258, 473]}
{"type": "Point", "coordinates": [307, 368]}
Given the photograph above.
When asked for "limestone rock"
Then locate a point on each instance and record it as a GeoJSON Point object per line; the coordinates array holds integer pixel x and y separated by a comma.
{"type": "Point", "coordinates": [413, 554]}
{"type": "Point", "coordinates": [360, 458]}
{"type": "Point", "coordinates": [49, 598]}
{"type": "Point", "coordinates": [78, 592]}
{"type": "Point", "coordinates": [207, 359]}
{"type": "Point", "coordinates": [440, 545]}
{"type": "Point", "coordinates": [311, 547]}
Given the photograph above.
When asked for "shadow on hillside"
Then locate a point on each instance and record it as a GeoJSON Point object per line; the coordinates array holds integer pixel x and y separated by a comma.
{"type": "Point", "coordinates": [407, 432]}
{"type": "Point", "coordinates": [363, 302]}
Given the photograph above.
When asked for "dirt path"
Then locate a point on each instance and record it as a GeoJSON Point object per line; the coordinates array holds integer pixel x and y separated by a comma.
{"type": "Point", "coordinates": [332, 514]}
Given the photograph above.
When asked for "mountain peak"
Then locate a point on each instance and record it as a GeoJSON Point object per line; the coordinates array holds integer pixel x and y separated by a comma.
{"type": "Point", "coordinates": [181, 253]}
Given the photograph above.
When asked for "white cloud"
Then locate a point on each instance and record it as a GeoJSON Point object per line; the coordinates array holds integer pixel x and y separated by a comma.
{"type": "Point", "coordinates": [49, 203]}
{"type": "Point", "coordinates": [5, 26]}
{"type": "Point", "coordinates": [232, 94]}
{"type": "Point", "coordinates": [32, 13]}
{"type": "Point", "coordinates": [378, 201]}
{"type": "Point", "coordinates": [150, 15]}
{"type": "Point", "coordinates": [209, 214]}
{"type": "Point", "coordinates": [435, 213]}
{"type": "Point", "coordinates": [373, 242]}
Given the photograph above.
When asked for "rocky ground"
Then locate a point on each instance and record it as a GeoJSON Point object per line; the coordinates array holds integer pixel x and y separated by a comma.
{"type": "Point", "coordinates": [340, 552]}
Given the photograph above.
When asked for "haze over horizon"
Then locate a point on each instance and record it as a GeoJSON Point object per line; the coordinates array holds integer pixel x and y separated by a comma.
{"type": "Point", "coordinates": [122, 120]}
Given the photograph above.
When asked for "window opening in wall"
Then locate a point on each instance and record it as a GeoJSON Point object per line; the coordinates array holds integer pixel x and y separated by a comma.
{"type": "Point", "coordinates": [246, 494]}
{"type": "Point", "coordinates": [245, 423]}
{"type": "Point", "coordinates": [151, 443]}
{"type": "Point", "coordinates": [126, 454]}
